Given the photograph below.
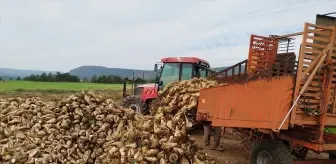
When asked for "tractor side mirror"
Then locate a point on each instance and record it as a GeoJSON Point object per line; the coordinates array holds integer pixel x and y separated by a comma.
{"type": "Point", "coordinates": [155, 67]}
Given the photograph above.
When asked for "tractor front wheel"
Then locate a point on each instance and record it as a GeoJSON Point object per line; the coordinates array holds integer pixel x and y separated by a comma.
{"type": "Point", "coordinates": [135, 103]}
{"type": "Point", "coordinates": [270, 151]}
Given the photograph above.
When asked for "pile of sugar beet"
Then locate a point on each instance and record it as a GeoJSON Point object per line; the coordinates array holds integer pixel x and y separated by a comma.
{"type": "Point", "coordinates": [87, 128]}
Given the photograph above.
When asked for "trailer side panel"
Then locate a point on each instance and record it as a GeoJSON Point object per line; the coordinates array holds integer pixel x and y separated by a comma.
{"type": "Point", "coordinates": [255, 104]}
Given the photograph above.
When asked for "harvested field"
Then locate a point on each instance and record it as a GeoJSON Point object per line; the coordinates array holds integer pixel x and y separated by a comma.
{"type": "Point", "coordinates": [50, 87]}
{"type": "Point", "coordinates": [88, 128]}
{"type": "Point", "coordinates": [233, 153]}
{"type": "Point", "coordinates": [55, 91]}
{"type": "Point", "coordinates": [116, 95]}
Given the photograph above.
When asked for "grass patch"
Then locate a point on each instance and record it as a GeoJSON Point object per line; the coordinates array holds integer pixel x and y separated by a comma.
{"type": "Point", "coordinates": [54, 87]}
{"type": "Point", "coordinates": [55, 91]}
{"type": "Point", "coordinates": [330, 130]}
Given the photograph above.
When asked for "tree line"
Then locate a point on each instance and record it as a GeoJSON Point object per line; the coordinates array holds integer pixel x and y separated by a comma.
{"type": "Point", "coordinates": [113, 79]}
{"type": "Point", "coordinates": [10, 78]}
{"type": "Point", "coordinates": [58, 77]}
{"type": "Point", "coordinates": [66, 77]}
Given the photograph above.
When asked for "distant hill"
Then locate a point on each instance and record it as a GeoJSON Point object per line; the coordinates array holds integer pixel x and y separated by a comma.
{"type": "Point", "coordinates": [86, 72]}
{"type": "Point", "coordinates": [89, 71]}
{"type": "Point", "coordinates": [9, 72]}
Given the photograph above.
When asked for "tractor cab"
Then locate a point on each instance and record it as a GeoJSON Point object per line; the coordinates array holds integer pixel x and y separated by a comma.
{"type": "Point", "coordinates": [169, 70]}
{"type": "Point", "coordinates": [181, 68]}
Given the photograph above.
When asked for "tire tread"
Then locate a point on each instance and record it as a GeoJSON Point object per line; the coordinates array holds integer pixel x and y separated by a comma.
{"type": "Point", "coordinates": [133, 98]}
{"type": "Point", "coordinates": [278, 150]}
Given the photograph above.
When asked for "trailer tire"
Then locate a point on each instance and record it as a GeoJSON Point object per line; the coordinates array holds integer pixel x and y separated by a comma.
{"type": "Point", "coordinates": [250, 143]}
{"type": "Point", "coordinates": [332, 155]}
{"type": "Point", "coordinates": [135, 103]}
{"type": "Point", "coordinates": [300, 152]}
{"type": "Point", "coordinates": [271, 151]}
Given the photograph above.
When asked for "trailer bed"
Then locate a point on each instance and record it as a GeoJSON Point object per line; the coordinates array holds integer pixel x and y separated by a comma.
{"type": "Point", "coordinates": [260, 103]}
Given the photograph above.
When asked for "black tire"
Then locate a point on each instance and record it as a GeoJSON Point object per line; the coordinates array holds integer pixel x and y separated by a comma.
{"type": "Point", "coordinates": [271, 150]}
{"type": "Point", "coordinates": [300, 152]}
{"type": "Point", "coordinates": [135, 103]}
{"type": "Point", "coordinates": [332, 155]}
{"type": "Point", "coordinates": [250, 143]}
{"type": "Point", "coordinates": [148, 105]}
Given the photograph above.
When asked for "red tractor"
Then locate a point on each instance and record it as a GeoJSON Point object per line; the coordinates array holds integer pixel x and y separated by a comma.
{"type": "Point", "coordinates": [171, 69]}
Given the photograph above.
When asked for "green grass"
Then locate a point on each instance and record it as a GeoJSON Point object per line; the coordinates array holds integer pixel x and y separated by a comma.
{"type": "Point", "coordinates": [330, 130]}
{"type": "Point", "coordinates": [18, 86]}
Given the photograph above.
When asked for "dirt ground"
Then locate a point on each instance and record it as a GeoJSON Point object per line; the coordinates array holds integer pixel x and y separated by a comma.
{"type": "Point", "coordinates": [233, 152]}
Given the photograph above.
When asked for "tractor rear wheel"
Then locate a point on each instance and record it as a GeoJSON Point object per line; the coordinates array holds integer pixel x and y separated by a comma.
{"type": "Point", "coordinates": [270, 151]}
{"type": "Point", "coordinates": [134, 102]}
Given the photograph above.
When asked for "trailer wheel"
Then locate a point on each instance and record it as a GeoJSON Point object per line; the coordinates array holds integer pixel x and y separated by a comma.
{"type": "Point", "coordinates": [300, 152]}
{"type": "Point", "coordinates": [250, 143]}
{"type": "Point", "coordinates": [134, 102]}
{"type": "Point", "coordinates": [332, 155]}
{"type": "Point", "coordinates": [270, 152]}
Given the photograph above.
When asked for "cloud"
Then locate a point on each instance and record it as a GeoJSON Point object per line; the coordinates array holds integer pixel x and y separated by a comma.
{"type": "Point", "coordinates": [61, 35]}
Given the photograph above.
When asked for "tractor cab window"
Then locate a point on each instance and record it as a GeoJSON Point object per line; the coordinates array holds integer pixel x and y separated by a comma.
{"type": "Point", "coordinates": [170, 73]}
{"type": "Point", "coordinates": [187, 71]}
{"type": "Point", "coordinates": [203, 72]}
{"type": "Point", "coordinates": [200, 71]}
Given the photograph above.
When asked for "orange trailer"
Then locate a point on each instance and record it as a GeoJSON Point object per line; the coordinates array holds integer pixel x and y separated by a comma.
{"type": "Point", "coordinates": [287, 103]}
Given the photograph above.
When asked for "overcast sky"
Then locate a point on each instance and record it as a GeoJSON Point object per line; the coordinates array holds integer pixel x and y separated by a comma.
{"type": "Point", "coordinates": [64, 34]}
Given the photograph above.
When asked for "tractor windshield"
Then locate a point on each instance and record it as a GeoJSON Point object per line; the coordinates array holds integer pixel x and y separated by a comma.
{"type": "Point", "coordinates": [170, 73]}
